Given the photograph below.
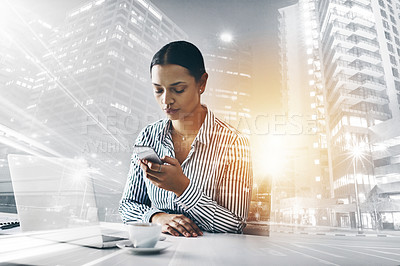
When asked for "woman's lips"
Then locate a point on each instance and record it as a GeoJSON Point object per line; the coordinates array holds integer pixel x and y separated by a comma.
{"type": "Point", "coordinates": [171, 111]}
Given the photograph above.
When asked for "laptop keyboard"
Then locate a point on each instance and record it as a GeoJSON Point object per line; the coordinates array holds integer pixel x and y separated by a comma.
{"type": "Point", "coordinates": [8, 225]}
{"type": "Point", "coordinates": [106, 238]}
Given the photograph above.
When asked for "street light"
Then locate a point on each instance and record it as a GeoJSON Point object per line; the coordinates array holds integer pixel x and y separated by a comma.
{"type": "Point", "coordinates": [226, 37]}
{"type": "Point", "coordinates": [257, 211]}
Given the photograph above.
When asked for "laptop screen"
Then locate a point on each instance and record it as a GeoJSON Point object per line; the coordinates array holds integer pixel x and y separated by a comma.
{"type": "Point", "coordinates": [52, 193]}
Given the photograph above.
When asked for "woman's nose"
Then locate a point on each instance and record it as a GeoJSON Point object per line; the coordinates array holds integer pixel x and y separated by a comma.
{"type": "Point", "coordinates": [167, 98]}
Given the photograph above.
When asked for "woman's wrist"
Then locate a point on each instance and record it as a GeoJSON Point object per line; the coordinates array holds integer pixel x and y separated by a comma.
{"type": "Point", "coordinates": [154, 217]}
{"type": "Point", "coordinates": [182, 189]}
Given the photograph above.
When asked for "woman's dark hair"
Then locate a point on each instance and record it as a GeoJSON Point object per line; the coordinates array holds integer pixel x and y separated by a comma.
{"type": "Point", "coordinates": [181, 53]}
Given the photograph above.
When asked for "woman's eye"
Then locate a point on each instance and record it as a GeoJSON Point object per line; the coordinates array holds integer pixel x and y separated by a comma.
{"type": "Point", "coordinates": [180, 90]}
{"type": "Point", "coordinates": [158, 91]}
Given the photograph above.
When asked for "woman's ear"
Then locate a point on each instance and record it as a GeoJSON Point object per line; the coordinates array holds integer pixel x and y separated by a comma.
{"type": "Point", "coordinates": [203, 82]}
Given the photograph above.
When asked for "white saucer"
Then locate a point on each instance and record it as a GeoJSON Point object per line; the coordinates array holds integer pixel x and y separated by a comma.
{"type": "Point", "coordinates": [127, 245]}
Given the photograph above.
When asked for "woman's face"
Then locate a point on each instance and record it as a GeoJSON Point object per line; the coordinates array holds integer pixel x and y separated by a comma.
{"type": "Point", "coordinates": [176, 90]}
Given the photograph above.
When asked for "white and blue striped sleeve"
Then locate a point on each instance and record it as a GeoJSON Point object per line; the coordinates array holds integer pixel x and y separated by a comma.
{"type": "Point", "coordinates": [135, 204]}
{"type": "Point", "coordinates": [228, 213]}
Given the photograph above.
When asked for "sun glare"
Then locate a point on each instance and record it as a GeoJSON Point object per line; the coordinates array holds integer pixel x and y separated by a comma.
{"type": "Point", "coordinates": [271, 156]}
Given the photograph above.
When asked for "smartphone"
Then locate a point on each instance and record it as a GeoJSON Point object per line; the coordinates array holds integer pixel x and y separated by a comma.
{"type": "Point", "coordinates": [147, 153]}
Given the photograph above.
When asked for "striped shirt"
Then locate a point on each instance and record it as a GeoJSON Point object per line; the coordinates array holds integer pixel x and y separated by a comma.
{"type": "Point", "coordinates": [219, 169]}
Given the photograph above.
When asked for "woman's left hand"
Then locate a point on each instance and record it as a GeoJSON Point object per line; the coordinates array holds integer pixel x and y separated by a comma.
{"type": "Point", "coordinates": [167, 176]}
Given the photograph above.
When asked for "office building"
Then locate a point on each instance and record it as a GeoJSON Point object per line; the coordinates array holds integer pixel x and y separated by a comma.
{"type": "Point", "coordinates": [22, 35]}
{"type": "Point", "coordinates": [358, 86]}
{"type": "Point", "coordinates": [384, 199]}
{"type": "Point", "coordinates": [360, 44]}
{"type": "Point", "coordinates": [306, 179]}
{"type": "Point", "coordinates": [95, 92]}
{"type": "Point", "coordinates": [229, 85]}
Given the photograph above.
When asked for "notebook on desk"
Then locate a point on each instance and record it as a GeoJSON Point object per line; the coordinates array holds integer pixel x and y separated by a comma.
{"type": "Point", "coordinates": [56, 197]}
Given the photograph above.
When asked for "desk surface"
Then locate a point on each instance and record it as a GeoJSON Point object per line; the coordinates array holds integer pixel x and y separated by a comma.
{"type": "Point", "coordinates": [210, 249]}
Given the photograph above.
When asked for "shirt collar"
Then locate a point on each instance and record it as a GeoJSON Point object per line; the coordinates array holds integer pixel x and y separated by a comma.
{"type": "Point", "coordinates": [164, 130]}
{"type": "Point", "coordinates": [204, 133]}
{"type": "Point", "coordinates": [205, 130]}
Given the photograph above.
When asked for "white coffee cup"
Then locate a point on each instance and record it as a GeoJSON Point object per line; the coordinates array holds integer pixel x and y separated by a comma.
{"type": "Point", "coordinates": [144, 235]}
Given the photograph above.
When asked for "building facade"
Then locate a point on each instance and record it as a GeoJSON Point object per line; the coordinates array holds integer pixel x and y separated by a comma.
{"type": "Point", "coordinates": [360, 61]}
{"type": "Point", "coordinates": [100, 95]}
{"type": "Point", "coordinates": [359, 82]}
{"type": "Point", "coordinates": [22, 35]}
{"type": "Point", "coordinates": [307, 174]}
{"type": "Point", "coordinates": [384, 199]}
{"type": "Point", "coordinates": [229, 85]}
{"type": "Point", "coordinates": [92, 93]}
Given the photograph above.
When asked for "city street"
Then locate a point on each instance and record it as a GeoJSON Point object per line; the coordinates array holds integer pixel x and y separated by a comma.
{"type": "Point", "coordinates": [302, 249]}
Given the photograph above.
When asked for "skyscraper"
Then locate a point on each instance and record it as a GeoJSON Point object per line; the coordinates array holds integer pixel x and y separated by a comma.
{"type": "Point", "coordinates": [100, 61]}
{"type": "Point", "coordinates": [306, 179]}
{"type": "Point", "coordinates": [21, 36]}
{"type": "Point", "coordinates": [93, 94]}
{"type": "Point", "coordinates": [229, 86]}
{"type": "Point", "coordinates": [359, 56]}
{"type": "Point", "coordinates": [360, 70]}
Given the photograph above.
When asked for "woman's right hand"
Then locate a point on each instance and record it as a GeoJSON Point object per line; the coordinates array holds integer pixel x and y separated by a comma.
{"type": "Point", "coordinates": [176, 224]}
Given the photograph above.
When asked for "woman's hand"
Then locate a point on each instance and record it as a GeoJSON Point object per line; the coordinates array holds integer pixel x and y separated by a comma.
{"type": "Point", "coordinates": [176, 224]}
{"type": "Point", "coordinates": [167, 176]}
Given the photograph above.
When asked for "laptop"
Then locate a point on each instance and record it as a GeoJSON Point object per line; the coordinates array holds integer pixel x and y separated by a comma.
{"type": "Point", "coordinates": [55, 200]}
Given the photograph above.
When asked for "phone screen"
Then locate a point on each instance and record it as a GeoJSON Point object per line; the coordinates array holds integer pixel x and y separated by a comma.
{"type": "Point", "coordinates": [148, 153]}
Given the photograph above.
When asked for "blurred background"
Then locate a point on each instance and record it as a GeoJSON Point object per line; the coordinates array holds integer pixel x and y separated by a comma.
{"type": "Point", "coordinates": [313, 84]}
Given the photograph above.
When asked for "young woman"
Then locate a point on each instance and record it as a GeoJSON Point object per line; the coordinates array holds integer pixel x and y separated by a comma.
{"type": "Point", "coordinates": [206, 180]}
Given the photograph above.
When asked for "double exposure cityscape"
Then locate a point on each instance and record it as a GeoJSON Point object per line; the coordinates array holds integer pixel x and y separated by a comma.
{"type": "Point", "coordinates": [326, 156]}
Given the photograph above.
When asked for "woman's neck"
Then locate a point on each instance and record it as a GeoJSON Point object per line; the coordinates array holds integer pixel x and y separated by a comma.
{"type": "Point", "coordinates": [190, 124]}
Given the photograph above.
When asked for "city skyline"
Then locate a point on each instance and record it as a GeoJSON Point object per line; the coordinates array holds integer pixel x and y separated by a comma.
{"type": "Point", "coordinates": [305, 171]}
{"type": "Point", "coordinates": [82, 76]}
{"type": "Point", "coordinates": [254, 23]}
{"type": "Point", "coordinates": [332, 143]}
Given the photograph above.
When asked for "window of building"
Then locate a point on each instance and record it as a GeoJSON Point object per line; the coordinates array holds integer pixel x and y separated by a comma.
{"type": "Point", "coordinates": [397, 85]}
{"type": "Point", "coordinates": [389, 1]}
{"type": "Point", "coordinates": [398, 51]}
{"type": "Point", "coordinates": [395, 31]}
{"type": "Point", "coordinates": [390, 9]}
{"type": "Point", "coordinates": [390, 47]}
{"type": "Point", "coordinates": [383, 13]}
{"type": "Point", "coordinates": [387, 36]}
{"type": "Point", "coordinates": [396, 40]}
{"type": "Point", "coordinates": [385, 24]}
{"type": "Point", "coordinates": [393, 60]}
{"type": "Point", "coordinates": [381, 3]}
{"type": "Point", "coordinates": [395, 72]}
{"type": "Point", "coordinates": [392, 20]}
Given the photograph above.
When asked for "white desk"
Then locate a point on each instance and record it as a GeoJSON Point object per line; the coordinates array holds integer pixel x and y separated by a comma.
{"type": "Point", "coordinates": [210, 249]}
